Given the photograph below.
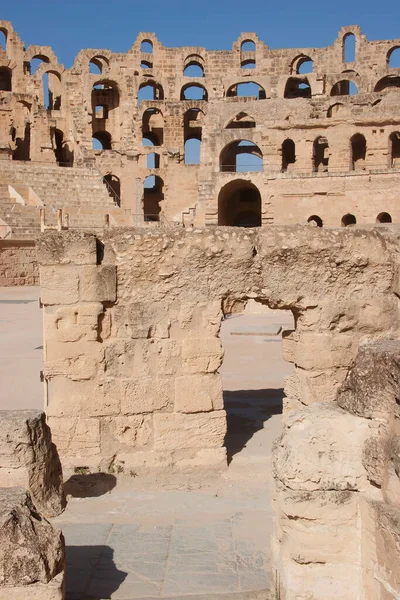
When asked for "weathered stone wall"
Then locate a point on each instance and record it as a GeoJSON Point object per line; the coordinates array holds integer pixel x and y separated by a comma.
{"type": "Point", "coordinates": [323, 178]}
{"type": "Point", "coordinates": [18, 264]}
{"type": "Point", "coordinates": [132, 319]}
{"type": "Point", "coordinates": [337, 509]}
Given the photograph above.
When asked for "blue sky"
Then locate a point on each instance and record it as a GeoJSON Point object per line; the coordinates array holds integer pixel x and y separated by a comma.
{"type": "Point", "coordinates": [69, 25]}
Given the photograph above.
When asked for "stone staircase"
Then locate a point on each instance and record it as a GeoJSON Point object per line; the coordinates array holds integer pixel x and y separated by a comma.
{"type": "Point", "coordinates": [58, 186]}
{"type": "Point", "coordinates": [80, 192]}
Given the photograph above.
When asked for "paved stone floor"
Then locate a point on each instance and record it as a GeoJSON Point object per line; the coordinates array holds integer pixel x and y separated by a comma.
{"type": "Point", "coordinates": [183, 537]}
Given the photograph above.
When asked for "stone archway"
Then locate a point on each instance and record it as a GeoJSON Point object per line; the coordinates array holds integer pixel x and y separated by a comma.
{"type": "Point", "coordinates": [239, 204]}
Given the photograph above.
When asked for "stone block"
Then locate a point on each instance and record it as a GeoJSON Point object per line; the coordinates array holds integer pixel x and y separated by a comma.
{"type": "Point", "coordinates": [199, 319]}
{"type": "Point", "coordinates": [141, 320]}
{"type": "Point", "coordinates": [98, 283]}
{"type": "Point", "coordinates": [320, 351]}
{"type": "Point", "coordinates": [32, 551]}
{"type": "Point", "coordinates": [29, 459]}
{"type": "Point", "coordinates": [146, 395]}
{"type": "Point", "coordinates": [321, 449]}
{"type": "Point", "coordinates": [201, 355]}
{"type": "Point", "coordinates": [76, 247]}
{"type": "Point", "coordinates": [59, 285]}
{"type": "Point", "coordinates": [68, 398]}
{"type": "Point", "coordinates": [289, 340]}
{"type": "Point", "coordinates": [124, 434]}
{"type": "Point", "coordinates": [179, 431]}
{"type": "Point", "coordinates": [198, 393]}
{"type": "Point", "coordinates": [76, 438]}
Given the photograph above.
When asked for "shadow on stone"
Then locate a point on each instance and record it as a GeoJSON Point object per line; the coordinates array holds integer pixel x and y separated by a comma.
{"type": "Point", "coordinates": [91, 485]}
{"type": "Point", "coordinates": [247, 411]}
{"type": "Point", "coordinates": [91, 573]}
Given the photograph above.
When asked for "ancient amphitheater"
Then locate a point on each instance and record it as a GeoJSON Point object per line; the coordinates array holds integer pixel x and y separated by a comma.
{"type": "Point", "coordinates": [152, 194]}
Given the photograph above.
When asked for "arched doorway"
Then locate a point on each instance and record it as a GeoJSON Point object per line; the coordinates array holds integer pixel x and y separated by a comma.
{"type": "Point", "coordinates": [239, 204]}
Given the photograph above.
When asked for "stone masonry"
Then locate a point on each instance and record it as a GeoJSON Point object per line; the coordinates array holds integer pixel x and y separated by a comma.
{"type": "Point", "coordinates": [282, 136]}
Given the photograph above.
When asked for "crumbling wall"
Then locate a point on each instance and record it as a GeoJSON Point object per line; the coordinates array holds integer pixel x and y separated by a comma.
{"type": "Point", "coordinates": [337, 505]}
{"type": "Point", "coordinates": [132, 319]}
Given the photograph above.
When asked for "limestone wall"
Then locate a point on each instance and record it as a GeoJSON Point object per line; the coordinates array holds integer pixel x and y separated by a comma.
{"type": "Point", "coordinates": [18, 264]}
{"type": "Point", "coordinates": [317, 110]}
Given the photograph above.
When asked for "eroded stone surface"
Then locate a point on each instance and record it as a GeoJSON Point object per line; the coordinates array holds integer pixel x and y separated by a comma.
{"type": "Point", "coordinates": [28, 458]}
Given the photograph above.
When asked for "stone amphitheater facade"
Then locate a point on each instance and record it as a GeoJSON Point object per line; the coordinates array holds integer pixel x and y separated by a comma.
{"type": "Point", "coordinates": [284, 136]}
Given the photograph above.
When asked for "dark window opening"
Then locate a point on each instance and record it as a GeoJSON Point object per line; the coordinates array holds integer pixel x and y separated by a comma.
{"type": "Point", "coordinates": [344, 88]}
{"type": "Point", "coordinates": [334, 110]}
{"type": "Point", "coordinates": [358, 152]}
{"type": "Point", "coordinates": [153, 195]}
{"type": "Point", "coordinates": [384, 217]}
{"type": "Point", "coordinates": [64, 156]}
{"type": "Point", "coordinates": [389, 82]}
{"type": "Point", "coordinates": [113, 185]}
{"type": "Point", "coordinates": [101, 140]}
{"type": "Point", "coordinates": [394, 150]}
{"type": "Point", "coordinates": [320, 154]}
{"type": "Point", "coordinates": [52, 90]}
{"type": "Point", "coordinates": [239, 205]}
{"type": "Point", "coordinates": [288, 154]}
{"type": "Point", "coordinates": [241, 121]}
{"type": "Point", "coordinates": [297, 87]}
{"type": "Point", "coordinates": [22, 145]}
{"type": "Point", "coordinates": [315, 220]}
{"type": "Point", "coordinates": [348, 220]}
{"type": "Point", "coordinates": [153, 126]}
{"type": "Point", "coordinates": [5, 80]}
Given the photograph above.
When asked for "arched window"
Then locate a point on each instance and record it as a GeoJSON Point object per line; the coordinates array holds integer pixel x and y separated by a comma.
{"type": "Point", "coordinates": [153, 126]}
{"type": "Point", "coordinates": [334, 110]}
{"type": "Point", "coordinates": [192, 151]}
{"type": "Point", "coordinates": [384, 217]}
{"type": "Point", "coordinates": [390, 81]}
{"type": "Point", "coordinates": [288, 154]}
{"type": "Point", "coordinates": [348, 220]}
{"type": "Point", "coordinates": [113, 186]}
{"type": "Point", "coordinates": [3, 39]}
{"type": "Point", "coordinates": [358, 151]}
{"type": "Point", "coordinates": [101, 140]}
{"type": "Point", "coordinates": [193, 66]}
{"type": "Point", "coordinates": [153, 195]}
{"type": "Point", "coordinates": [320, 154]}
{"type": "Point", "coordinates": [345, 87]}
{"type": "Point", "coordinates": [248, 46]}
{"type": "Point", "coordinates": [247, 55]}
{"type": "Point", "coordinates": [153, 160]}
{"type": "Point", "coordinates": [393, 58]}
{"type": "Point", "coordinates": [146, 64]}
{"type": "Point", "coordinates": [146, 47]}
{"type": "Point", "coordinates": [297, 87]}
{"type": "Point", "coordinates": [239, 204]}
{"type": "Point", "coordinates": [394, 150]}
{"type": "Point", "coordinates": [52, 90]}
{"type": "Point", "coordinates": [22, 114]}
{"type": "Point", "coordinates": [241, 121]}
{"type": "Point", "coordinates": [5, 79]}
{"type": "Point", "coordinates": [194, 91]}
{"type": "Point", "coordinates": [98, 64]}
{"type": "Point", "coordinates": [302, 65]}
{"type": "Point", "coordinates": [349, 48]}
{"type": "Point", "coordinates": [315, 220]}
{"type": "Point", "coordinates": [246, 89]}
{"type": "Point", "coordinates": [150, 91]}
{"type": "Point", "coordinates": [36, 61]}
{"type": "Point", "coordinates": [241, 156]}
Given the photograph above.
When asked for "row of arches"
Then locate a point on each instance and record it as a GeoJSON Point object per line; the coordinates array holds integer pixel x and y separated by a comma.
{"type": "Point", "coordinates": [245, 156]}
{"type": "Point", "coordinates": [349, 219]}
